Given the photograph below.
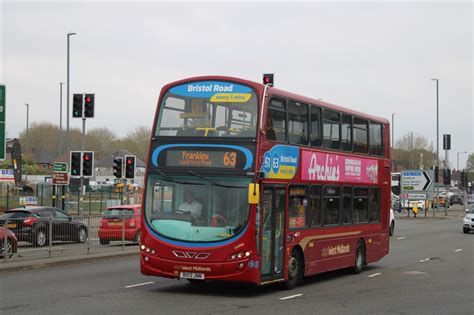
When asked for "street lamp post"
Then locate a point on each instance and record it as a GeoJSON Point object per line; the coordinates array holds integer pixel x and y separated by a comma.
{"type": "Point", "coordinates": [27, 144]}
{"type": "Point", "coordinates": [437, 140]}
{"type": "Point", "coordinates": [67, 102]}
{"type": "Point", "coordinates": [60, 118]}
{"type": "Point", "coordinates": [393, 139]}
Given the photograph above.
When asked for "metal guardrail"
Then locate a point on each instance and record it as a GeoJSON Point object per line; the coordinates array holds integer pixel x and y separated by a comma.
{"type": "Point", "coordinates": [53, 236]}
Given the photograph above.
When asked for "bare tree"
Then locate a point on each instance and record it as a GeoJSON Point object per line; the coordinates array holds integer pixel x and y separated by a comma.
{"type": "Point", "coordinates": [412, 152]}
{"type": "Point", "coordinates": [137, 141]}
{"type": "Point", "coordinates": [101, 141]}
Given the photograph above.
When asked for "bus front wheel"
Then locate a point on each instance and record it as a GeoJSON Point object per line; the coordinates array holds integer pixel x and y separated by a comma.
{"type": "Point", "coordinates": [359, 258]}
{"type": "Point", "coordinates": [295, 270]}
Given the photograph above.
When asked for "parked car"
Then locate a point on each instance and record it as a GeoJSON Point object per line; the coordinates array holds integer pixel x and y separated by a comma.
{"type": "Point", "coordinates": [456, 199]}
{"type": "Point", "coordinates": [120, 222]}
{"type": "Point", "coordinates": [392, 222]}
{"type": "Point", "coordinates": [11, 243]}
{"type": "Point", "coordinates": [470, 200]}
{"type": "Point", "coordinates": [441, 200]}
{"type": "Point", "coordinates": [31, 224]}
{"type": "Point", "coordinates": [468, 222]}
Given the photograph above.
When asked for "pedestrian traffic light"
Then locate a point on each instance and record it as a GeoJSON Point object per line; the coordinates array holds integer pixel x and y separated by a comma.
{"type": "Point", "coordinates": [89, 106]}
{"type": "Point", "coordinates": [75, 163]}
{"type": "Point", "coordinates": [118, 167]}
{"type": "Point", "coordinates": [130, 166]}
{"type": "Point", "coordinates": [446, 176]}
{"type": "Point", "coordinates": [77, 102]}
{"type": "Point", "coordinates": [87, 163]}
{"type": "Point", "coordinates": [268, 78]}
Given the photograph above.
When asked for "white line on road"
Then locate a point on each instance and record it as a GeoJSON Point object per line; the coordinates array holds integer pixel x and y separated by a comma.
{"type": "Point", "coordinates": [138, 284]}
{"type": "Point", "coordinates": [290, 297]}
{"type": "Point", "coordinates": [401, 238]}
{"type": "Point", "coordinates": [374, 275]}
{"type": "Point", "coordinates": [458, 250]}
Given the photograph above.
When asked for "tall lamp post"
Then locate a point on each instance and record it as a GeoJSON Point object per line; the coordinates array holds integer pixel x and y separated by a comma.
{"type": "Point", "coordinates": [60, 118]}
{"type": "Point", "coordinates": [27, 144]}
{"type": "Point", "coordinates": [393, 143]}
{"type": "Point", "coordinates": [67, 102]}
{"type": "Point", "coordinates": [437, 140]}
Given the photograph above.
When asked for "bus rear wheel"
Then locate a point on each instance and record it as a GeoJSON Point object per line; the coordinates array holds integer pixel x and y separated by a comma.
{"type": "Point", "coordinates": [295, 270]}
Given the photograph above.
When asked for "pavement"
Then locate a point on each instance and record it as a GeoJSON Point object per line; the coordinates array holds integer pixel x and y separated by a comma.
{"type": "Point", "coordinates": [453, 212]}
{"type": "Point", "coordinates": [68, 257]}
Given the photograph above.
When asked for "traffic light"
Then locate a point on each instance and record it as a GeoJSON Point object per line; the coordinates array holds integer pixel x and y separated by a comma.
{"type": "Point", "coordinates": [268, 78]}
{"type": "Point", "coordinates": [446, 142]}
{"type": "Point", "coordinates": [447, 176]}
{"type": "Point", "coordinates": [463, 179]}
{"type": "Point", "coordinates": [118, 167]}
{"type": "Point", "coordinates": [87, 163]}
{"type": "Point", "coordinates": [89, 106]}
{"type": "Point", "coordinates": [436, 174]}
{"type": "Point", "coordinates": [77, 103]}
{"type": "Point", "coordinates": [75, 161]}
{"type": "Point", "coordinates": [130, 166]}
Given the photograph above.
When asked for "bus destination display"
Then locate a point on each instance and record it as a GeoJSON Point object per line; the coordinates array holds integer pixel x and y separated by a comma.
{"type": "Point", "coordinates": [201, 158]}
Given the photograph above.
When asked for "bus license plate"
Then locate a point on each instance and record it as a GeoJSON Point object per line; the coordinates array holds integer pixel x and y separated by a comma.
{"type": "Point", "coordinates": [191, 275]}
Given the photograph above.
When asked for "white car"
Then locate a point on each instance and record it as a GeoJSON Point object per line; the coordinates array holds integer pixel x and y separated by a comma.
{"type": "Point", "coordinates": [392, 222]}
{"type": "Point", "coordinates": [468, 222]}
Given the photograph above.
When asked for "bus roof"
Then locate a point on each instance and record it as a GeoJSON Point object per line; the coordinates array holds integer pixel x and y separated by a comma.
{"type": "Point", "coordinates": [275, 91]}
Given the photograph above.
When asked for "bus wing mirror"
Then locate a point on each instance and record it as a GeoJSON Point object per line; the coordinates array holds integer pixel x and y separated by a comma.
{"type": "Point", "coordinates": [254, 193]}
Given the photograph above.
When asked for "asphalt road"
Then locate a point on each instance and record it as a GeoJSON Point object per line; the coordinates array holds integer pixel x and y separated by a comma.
{"type": "Point", "coordinates": [430, 270]}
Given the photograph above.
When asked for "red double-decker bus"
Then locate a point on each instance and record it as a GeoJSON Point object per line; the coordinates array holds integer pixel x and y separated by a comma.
{"type": "Point", "coordinates": [246, 182]}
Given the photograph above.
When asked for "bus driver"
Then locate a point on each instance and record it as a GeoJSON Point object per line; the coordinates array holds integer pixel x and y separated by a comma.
{"type": "Point", "coordinates": [191, 205]}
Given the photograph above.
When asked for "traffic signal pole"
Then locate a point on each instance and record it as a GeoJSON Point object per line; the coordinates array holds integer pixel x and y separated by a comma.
{"type": "Point", "coordinates": [81, 187]}
{"type": "Point", "coordinates": [446, 166]}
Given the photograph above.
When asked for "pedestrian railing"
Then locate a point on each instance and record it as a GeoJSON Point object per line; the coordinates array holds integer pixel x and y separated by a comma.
{"type": "Point", "coordinates": [52, 236]}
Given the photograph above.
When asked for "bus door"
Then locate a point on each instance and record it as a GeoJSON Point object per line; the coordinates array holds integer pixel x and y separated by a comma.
{"type": "Point", "coordinates": [273, 232]}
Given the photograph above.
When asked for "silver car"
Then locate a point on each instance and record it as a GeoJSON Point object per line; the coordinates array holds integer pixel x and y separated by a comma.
{"type": "Point", "coordinates": [468, 221]}
{"type": "Point", "coordinates": [470, 200]}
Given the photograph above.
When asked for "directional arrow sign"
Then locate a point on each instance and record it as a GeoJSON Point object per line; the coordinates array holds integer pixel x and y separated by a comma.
{"type": "Point", "coordinates": [415, 180]}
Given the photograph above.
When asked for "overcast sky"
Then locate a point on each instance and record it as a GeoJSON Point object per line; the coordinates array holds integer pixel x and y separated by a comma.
{"type": "Point", "coordinates": [372, 57]}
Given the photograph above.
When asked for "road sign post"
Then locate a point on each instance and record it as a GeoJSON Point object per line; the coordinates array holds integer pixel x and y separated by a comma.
{"type": "Point", "coordinates": [417, 185]}
{"type": "Point", "coordinates": [2, 122]}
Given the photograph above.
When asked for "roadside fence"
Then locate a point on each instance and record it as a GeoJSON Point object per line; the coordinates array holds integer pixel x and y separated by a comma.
{"type": "Point", "coordinates": [36, 236]}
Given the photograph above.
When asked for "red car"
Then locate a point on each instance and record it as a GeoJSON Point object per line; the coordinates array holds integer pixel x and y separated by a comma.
{"type": "Point", "coordinates": [124, 219]}
{"type": "Point", "coordinates": [11, 247]}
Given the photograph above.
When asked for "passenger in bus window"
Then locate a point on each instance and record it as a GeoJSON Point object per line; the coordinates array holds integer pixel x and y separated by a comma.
{"type": "Point", "coordinates": [191, 205]}
{"type": "Point", "coordinates": [271, 135]}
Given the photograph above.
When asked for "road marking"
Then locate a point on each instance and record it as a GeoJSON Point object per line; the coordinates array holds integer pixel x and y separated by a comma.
{"type": "Point", "coordinates": [138, 284]}
{"type": "Point", "coordinates": [458, 250]}
{"type": "Point", "coordinates": [401, 238]}
{"type": "Point", "coordinates": [424, 260]}
{"type": "Point", "coordinates": [290, 297]}
{"type": "Point", "coordinates": [374, 275]}
{"type": "Point", "coordinates": [414, 272]}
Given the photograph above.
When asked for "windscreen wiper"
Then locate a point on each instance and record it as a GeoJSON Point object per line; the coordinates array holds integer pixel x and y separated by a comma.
{"type": "Point", "coordinates": [170, 179]}
{"type": "Point", "coordinates": [212, 182]}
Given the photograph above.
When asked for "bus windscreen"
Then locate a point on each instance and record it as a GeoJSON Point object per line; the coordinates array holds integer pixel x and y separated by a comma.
{"type": "Point", "coordinates": [208, 109]}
